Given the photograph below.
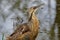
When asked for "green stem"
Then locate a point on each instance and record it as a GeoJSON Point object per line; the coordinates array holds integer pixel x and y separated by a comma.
{"type": "Point", "coordinates": [3, 36]}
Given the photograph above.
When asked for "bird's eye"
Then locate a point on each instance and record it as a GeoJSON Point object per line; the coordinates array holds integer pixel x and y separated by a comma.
{"type": "Point", "coordinates": [34, 8]}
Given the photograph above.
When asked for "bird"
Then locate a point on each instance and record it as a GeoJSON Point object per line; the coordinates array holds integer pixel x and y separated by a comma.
{"type": "Point", "coordinates": [28, 30]}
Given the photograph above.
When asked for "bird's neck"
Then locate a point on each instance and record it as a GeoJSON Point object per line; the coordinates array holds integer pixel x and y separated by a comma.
{"type": "Point", "coordinates": [34, 23]}
{"type": "Point", "coordinates": [33, 19]}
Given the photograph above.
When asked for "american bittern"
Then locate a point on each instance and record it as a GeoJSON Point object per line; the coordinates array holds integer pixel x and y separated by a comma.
{"type": "Point", "coordinates": [29, 30]}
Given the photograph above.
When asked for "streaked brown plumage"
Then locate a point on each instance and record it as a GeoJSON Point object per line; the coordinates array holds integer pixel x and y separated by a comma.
{"type": "Point", "coordinates": [29, 30]}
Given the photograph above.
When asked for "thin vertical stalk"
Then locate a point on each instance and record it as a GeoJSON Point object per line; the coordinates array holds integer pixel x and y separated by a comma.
{"type": "Point", "coordinates": [57, 20]}
{"type": "Point", "coordinates": [52, 33]}
{"type": "Point", "coordinates": [49, 11]}
{"type": "Point", "coordinates": [2, 36]}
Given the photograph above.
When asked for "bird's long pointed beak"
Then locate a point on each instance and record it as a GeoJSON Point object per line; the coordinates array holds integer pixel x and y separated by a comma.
{"type": "Point", "coordinates": [38, 6]}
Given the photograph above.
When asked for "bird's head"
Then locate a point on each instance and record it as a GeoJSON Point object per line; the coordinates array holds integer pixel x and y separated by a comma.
{"type": "Point", "coordinates": [32, 10]}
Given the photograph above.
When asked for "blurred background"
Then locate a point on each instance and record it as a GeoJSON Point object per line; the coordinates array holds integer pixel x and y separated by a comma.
{"type": "Point", "coordinates": [12, 12]}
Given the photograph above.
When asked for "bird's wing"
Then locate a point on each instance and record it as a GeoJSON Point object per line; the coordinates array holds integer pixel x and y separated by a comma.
{"type": "Point", "coordinates": [20, 30]}
{"type": "Point", "coordinates": [25, 36]}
